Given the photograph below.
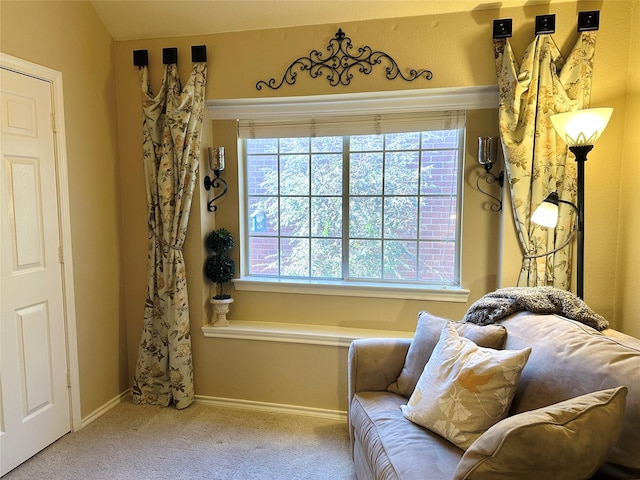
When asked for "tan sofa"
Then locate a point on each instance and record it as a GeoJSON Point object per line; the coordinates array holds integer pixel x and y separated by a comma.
{"type": "Point", "coordinates": [568, 359]}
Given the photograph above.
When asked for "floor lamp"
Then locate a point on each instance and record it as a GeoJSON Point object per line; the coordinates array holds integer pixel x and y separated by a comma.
{"type": "Point", "coordinates": [579, 130]}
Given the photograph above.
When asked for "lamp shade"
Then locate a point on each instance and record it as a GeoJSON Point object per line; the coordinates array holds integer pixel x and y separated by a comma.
{"type": "Point", "coordinates": [546, 214]}
{"type": "Point", "coordinates": [582, 127]}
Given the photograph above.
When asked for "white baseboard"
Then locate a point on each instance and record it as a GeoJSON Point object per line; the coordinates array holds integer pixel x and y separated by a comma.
{"type": "Point", "coordinates": [105, 408]}
{"type": "Point", "coordinates": [272, 407]}
{"type": "Point", "coordinates": [230, 403]}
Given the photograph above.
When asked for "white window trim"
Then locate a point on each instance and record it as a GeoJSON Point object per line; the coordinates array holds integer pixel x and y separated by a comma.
{"type": "Point", "coordinates": [343, 288]}
{"type": "Point", "coordinates": [280, 108]}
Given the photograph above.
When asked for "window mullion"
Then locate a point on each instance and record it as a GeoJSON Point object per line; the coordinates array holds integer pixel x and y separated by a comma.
{"type": "Point", "coordinates": [279, 202]}
{"type": "Point", "coordinates": [419, 207]}
{"type": "Point", "coordinates": [309, 257]}
{"type": "Point", "coordinates": [346, 197]}
{"type": "Point", "coordinates": [382, 205]}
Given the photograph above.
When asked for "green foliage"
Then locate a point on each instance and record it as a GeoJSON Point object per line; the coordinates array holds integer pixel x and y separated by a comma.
{"type": "Point", "coordinates": [219, 268]}
{"type": "Point", "coordinates": [220, 241]}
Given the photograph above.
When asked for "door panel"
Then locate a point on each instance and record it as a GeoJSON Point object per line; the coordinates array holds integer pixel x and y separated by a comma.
{"type": "Point", "coordinates": [34, 394]}
{"type": "Point", "coordinates": [34, 355]}
{"type": "Point", "coordinates": [25, 218]}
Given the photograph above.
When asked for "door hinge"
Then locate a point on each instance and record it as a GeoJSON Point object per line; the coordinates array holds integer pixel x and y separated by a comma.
{"type": "Point", "coordinates": [68, 379]}
{"type": "Point", "coordinates": [53, 123]}
{"type": "Point", "coordinates": [60, 255]}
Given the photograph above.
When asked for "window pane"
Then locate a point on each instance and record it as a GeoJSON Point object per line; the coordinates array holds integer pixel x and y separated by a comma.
{"type": "Point", "coordinates": [402, 141]}
{"type": "Point", "coordinates": [365, 174]}
{"type": "Point", "coordinates": [437, 262]}
{"type": "Point", "coordinates": [326, 258]}
{"type": "Point", "coordinates": [294, 175]}
{"type": "Point", "coordinates": [262, 172]}
{"type": "Point", "coordinates": [295, 257]}
{"type": "Point", "coordinates": [262, 145]}
{"type": "Point", "coordinates": [400, 260]}
{"type": "Point", "coordinates": [326, 175]}
{"type": "Point", "coordinates": [294, 216]}
{"type": "Point", "coordinates": [439, 174]}
{"type": "Point", "coordinates": [438, 218]}
{"type": "Point", "coordinates": [263, 216]}
{"type": "Point", "coordinates": [326, 144]}
{"type": "Point", "coordinates": [365, 259]}
{"type": "Point", "coordinates": [365, 217]}
{"type": "Point", "coordinates": [294, 145]}
{"type": "Point", "coordinates": [264, 256]}
{"type": "Point", "coordinates": [326, 217]}
{"type": "Point", "coordinates": [401, 217]}
{"type": "Point", "coordinates": [440, 139]}
{"type": "Point", "coordinates": [366, 143]}
{"type": "Point", "coordinates": [401, 173]}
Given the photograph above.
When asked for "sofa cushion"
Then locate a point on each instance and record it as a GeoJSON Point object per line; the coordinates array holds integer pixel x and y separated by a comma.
{"type": "Point", "coordinates": [565, 441]}
{"type": "Point", "coordinates": [426, 336]}
{"type": "Point", "coordinates": [395, 448]}
{"type": "Point", "coordinates": [464, 388]}
{"type": "Point", "coordinates": [582, 360]}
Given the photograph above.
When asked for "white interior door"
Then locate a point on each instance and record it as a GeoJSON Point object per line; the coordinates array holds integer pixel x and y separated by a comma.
{"type": "Point", "coordinates": [34, 384]}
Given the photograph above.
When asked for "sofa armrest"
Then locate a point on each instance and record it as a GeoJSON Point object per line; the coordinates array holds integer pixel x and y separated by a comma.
{"type": "Point", "coordinates": [374, 363]}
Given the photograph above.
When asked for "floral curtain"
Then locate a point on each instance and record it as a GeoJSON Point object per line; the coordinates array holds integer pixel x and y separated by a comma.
{"type": "Point", "coordinates": [172, 124]}
{"type": "Point", "coordinates": [536, 159]}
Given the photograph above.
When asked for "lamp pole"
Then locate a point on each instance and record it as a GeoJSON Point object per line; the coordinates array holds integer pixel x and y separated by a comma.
{"type": "Point", "coordinates": [580, 152]}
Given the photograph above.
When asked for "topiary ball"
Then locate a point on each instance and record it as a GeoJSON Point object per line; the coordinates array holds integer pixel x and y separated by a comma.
{"type": "Point", "coordinates": [219, 241]}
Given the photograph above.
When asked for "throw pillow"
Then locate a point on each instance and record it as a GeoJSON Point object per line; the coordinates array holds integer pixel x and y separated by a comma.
{"type": "Point", "coordinates": [565, 441]}
{"type": "Point", "coordinates": [464, 389]}
{"type": "Point", "coordinates": [425, 339]}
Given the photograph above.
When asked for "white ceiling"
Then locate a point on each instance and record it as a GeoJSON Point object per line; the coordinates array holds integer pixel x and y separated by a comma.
{"type": "Point", "coordinates": [142, 19]}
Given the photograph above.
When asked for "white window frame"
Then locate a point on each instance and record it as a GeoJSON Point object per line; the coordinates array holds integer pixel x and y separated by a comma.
{"type": "Point", "coordinates": [407, 101]}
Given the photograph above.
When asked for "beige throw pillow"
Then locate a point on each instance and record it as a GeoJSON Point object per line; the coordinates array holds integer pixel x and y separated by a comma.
{"type": "Point", "coordinates": [464, 389]}
{"type": "Point", "coordinates": [565, 441]}
{"type": "Point", "coordinates": [424, 341]}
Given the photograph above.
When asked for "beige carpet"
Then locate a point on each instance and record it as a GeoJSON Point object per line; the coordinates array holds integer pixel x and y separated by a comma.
{"type": "Point", "coordinates": [200, 442]}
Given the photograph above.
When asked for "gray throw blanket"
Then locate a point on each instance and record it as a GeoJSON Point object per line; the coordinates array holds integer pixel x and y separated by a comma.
{"type": "Point", "coordinates": [545, 300]}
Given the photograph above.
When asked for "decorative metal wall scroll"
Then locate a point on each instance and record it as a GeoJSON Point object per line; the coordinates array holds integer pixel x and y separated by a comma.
{"type": "Point", "coordinates": [340, 62]}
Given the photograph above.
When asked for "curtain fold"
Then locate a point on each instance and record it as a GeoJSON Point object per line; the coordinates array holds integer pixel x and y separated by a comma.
{"type": "Point", "coordinates": [172, 126]}
{"type": "Point", "coordinates": [536, 160]}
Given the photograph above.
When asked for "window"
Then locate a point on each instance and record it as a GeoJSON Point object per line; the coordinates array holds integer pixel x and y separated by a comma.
{"type": "Point", "coordinates": [355, 199]}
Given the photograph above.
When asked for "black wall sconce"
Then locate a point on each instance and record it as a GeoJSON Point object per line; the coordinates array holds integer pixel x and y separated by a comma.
{"type": "Point", "coordinates": [487, 157]}
{"type": "Point", "coordinates": [216, 163]}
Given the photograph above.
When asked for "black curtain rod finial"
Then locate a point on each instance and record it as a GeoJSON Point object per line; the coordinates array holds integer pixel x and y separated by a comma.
{"type": "Point", "coordinates": [198, 53]}
{"type": "Point", "coordinates": [502, 28]}
{"type": "Point", "coordinates": [588, 21]}
{"type": "Point", "coordinates": [545, 23]}
{"type": "Point", "coordinates": [169, 55]}
{"type": "Point", "coordinates": [140, 58]}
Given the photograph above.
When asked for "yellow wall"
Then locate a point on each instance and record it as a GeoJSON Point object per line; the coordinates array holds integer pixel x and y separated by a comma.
{"type": "Point", "coordinates": [458, 49]}
{"type": "Point", "coordinates": [68, 37]}
{"type": "Point", "coordinates": [108, 201]}
{"type": "Point", "coordinates": [628, 265]}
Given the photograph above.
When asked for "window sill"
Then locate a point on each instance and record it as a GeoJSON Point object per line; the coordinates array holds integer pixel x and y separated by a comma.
{"type": "Point", "coordinates": [297, 333]}
{"type": "Point", "coordinates": [353, 289]}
